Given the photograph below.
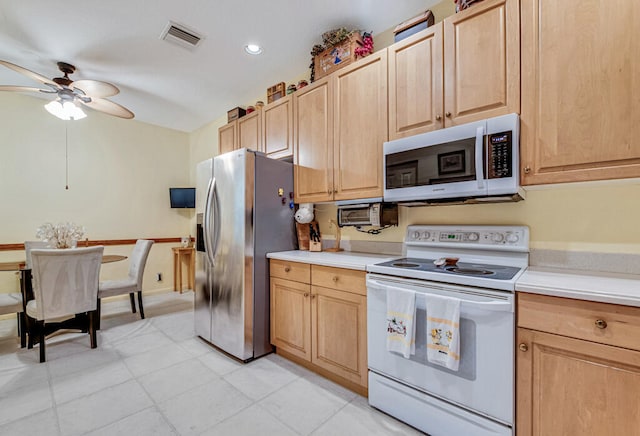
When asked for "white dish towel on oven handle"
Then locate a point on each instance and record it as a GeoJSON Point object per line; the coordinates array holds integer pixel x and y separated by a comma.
{"type": "Point", "coordinates": [443, 331]}
{"type": "Point", "coordinates": [401, 321]}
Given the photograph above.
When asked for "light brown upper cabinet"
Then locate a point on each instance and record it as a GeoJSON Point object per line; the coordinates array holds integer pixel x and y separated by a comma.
{"type": "Point", "coordinates": [415, 84]}
{"type": "Point", "coordinates": [482, 62]}
{"type": "Point", "coordinates": [463, 69]}
{"type": "Point", "coordinates": [360, 127]}
{"type": "Point", "coordinates": [227, 137]}
{"type": "Point", "coordinates": [244, 132]}
{"type": "Point", "coordinates": [277, 128]}
{"type": "Point", "coordinates": [313, 142]}
{"type": "Point", "coordinates": [249, 132]}
{"type": "Point", "coordinates": [340, 123]}
{"type": "Point", "coordinates": [580, 90]}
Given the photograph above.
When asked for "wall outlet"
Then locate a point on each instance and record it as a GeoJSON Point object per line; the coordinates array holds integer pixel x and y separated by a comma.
{"type": "Point", "coordinates": [159, 277]}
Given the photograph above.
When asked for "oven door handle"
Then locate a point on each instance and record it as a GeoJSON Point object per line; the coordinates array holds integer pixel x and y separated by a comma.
{"type": "Point", "coordinates": [492, 306]}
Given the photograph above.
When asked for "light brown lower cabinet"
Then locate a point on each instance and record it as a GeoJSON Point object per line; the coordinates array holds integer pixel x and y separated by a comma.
{"type": "Point", "coordinates": [570, 380]}
{"type": "Point", "coordinates": [322, 328]}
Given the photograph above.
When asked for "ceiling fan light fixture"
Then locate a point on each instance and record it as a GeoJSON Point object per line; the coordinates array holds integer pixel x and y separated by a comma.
{"type": "Point", "coordinates": [66, 110]}
{"type": "Point", "coordinates": [253, 49]}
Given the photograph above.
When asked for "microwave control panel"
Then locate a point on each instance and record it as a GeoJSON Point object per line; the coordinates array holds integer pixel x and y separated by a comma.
{"type": "Point", "coordinates": [500, 154]}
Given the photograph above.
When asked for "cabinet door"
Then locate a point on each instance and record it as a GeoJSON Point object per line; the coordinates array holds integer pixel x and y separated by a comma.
{"type": "Point", "coordinates": [227, 137]}
{"type": "Point", "coordinates": [580, 91]}
{"type": "Point", "coordinates": [482, 62]}
{"type": "Point", "coordinates": [571, 387]}
{"type": "Point", "coordinates": [313, 143]}
{"type": "Point", "coordinates": [360, 127]}
{"type": "Point", "coordinates": [415, 84]}
{"type": "Point", "coordinates": [277, 125]}
{"type": "Point", "coordinates": [249, 132]}
{"type": "Point", "coordinates": [339, 333]}
{"type": "Point", "coordinates": [290, 317]}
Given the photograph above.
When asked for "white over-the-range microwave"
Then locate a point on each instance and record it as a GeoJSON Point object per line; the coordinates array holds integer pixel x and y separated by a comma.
{"type": "Point", "coordinates": [474, 162]}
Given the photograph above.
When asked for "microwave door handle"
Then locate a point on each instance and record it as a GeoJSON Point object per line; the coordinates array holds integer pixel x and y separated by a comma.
{"type": "Point", "coordinates": [480, 157]}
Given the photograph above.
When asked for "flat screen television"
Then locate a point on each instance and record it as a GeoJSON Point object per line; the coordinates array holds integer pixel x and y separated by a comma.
{"type": "Point", "coordinates": [182, 197]}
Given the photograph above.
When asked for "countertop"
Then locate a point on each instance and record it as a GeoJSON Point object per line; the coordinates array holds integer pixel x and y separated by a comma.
{"type": "Point", "coordinates": [582, 285]}
{"type": "Point", "coordinates": [342, 259]}
{"type": "Point", "coordinates": [603, 287]}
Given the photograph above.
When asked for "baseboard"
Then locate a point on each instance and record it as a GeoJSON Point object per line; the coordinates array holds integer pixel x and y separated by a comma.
{"type": "Point", "coordinates": [361, 390]}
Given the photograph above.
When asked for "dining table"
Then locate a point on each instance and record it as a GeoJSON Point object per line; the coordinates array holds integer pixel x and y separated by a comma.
{"type": "Point", "coordinates": [25, 273]}
{"type": "Point", "coordinates": [21, 264]}
{"type": "Point", "coordinates": [26, 288]}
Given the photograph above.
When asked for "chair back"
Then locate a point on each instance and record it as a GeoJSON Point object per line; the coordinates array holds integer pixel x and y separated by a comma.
{"type": "Point", "coordinates": [30, 245]}
{"type": "Point", "coordinates": [139, 260]}
{"type": "Point", "coordinates": [65, 281]}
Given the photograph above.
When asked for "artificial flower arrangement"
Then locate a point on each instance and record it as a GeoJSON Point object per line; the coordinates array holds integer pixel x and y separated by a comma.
{"type": "Point", "coordinates": [62, 235]}
{"type": "Point", "coordinates": [333, 38]}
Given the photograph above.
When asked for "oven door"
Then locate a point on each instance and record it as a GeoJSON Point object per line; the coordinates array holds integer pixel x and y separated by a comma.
{"type": "Point", "coordinates": [447, 163]}
{"type": "Point", "coordinates": [484, 382]}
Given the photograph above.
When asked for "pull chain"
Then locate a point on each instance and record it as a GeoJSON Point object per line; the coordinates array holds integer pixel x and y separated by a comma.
{"type": "Point", "coordinates": [66, 155]}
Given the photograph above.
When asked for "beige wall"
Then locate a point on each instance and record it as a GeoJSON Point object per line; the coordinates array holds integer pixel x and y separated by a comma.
{"type": "Point", "coordinates": [597, 216]}
{"type": "Point", "coordinates": [119, 175]}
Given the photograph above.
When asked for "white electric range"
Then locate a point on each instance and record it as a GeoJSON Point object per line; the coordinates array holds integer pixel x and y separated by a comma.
{"type": "Point", "coordinates": [478, 399]}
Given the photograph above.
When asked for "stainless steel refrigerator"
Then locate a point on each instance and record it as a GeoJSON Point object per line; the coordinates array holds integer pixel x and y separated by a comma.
{"type": "Point", "coordinates": [243, 212]}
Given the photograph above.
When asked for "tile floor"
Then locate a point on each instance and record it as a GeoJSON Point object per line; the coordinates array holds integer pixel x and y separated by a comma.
{"type": "Point", "coordinates": [155, 377]}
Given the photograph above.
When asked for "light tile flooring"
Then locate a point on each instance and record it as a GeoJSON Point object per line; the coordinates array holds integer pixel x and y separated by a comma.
{"type": "Point", "coordinates": [155, 377]}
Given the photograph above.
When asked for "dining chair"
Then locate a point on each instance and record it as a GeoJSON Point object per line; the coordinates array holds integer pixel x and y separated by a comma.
{"type": "Point", "coordinates": [12, 303]}
{"type": "Point", "coordinates": [65, 288]}
{"type": "Point", "coordinates": [133, 282]}
{"type": "Point", "coordinates": [30, 245]}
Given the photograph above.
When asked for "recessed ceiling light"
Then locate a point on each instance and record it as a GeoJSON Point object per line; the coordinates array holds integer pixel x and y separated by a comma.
{"type": "Point", "coordinates": [253, 49]}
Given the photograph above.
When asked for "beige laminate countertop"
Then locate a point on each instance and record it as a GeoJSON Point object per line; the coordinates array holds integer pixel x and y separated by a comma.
{"type": "Point", "coordinates": [582, 285]}
{"type": "Point", "coordinates": [342, 259]}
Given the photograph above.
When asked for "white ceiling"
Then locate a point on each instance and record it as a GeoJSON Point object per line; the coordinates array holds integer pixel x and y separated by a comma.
{"type": "Point", "coordinates": [118, 41]}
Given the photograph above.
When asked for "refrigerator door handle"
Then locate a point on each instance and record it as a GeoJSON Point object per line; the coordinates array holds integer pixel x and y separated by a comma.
{"type": "Point", "coordinates": [216, 221]}
{"type": "Point", "coordinates": [207, 220]}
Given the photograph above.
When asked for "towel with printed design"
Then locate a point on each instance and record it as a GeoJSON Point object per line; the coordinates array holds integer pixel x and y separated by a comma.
{"type": "Point", "coordinates": [401, 326]}
{"type": "Point", "coordinates": [443, 331]}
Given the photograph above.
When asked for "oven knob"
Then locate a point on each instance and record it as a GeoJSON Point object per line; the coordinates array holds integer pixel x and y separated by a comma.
{"type": "Point", "coordinates": [473, 236]}
{"type": "Point", "coordinates": [512, 238]}
{"type": "Point", "coordinates": [497, 237]}
{"type": "Point", "coordinates": [426, 235]}
{"type": "Point", "coordinates": [416, 235]}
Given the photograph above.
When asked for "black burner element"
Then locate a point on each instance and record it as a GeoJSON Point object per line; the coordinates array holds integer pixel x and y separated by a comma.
{"type": "Point", "coordinates": [405, 265]}
{"type": "Point", "coordinates": [469, 271]}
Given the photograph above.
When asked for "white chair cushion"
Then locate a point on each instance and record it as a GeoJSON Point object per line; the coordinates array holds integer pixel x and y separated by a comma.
{"type": "Point", "coordinates": [32, 311]}
{"type": "Point", "coordinates": [10, 303]}
{"type": "Point", "coordinates": [111, 288]}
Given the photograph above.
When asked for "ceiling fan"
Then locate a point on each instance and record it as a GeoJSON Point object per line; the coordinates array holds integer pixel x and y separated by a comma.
{"type": "Point", "coordinates": [71, 95]}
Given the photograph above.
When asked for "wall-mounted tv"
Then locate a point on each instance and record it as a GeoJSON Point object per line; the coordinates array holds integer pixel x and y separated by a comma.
{"type": "Point", "coordinates": [182, 197]}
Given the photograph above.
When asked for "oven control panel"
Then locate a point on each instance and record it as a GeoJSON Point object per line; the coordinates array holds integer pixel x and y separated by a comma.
{"type": "Point", "coordinates": [476, 236]}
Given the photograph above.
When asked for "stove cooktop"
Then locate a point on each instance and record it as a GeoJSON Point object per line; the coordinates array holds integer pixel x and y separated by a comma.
{"type": "Point", "coordinates": [477, 270]}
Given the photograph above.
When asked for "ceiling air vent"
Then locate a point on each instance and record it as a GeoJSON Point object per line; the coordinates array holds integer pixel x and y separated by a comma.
{"type": "Point", "coordinates": [181, 35]}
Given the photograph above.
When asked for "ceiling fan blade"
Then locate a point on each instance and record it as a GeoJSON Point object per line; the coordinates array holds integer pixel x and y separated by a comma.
{"type": "Point", "coordinates": [24, 88]}
{"type": "Point", "coordinates": [28, 73]}
{"type": "Point", "coordinates": [109, 107]}
{"type": "Point", "coordinates": [96, 88]}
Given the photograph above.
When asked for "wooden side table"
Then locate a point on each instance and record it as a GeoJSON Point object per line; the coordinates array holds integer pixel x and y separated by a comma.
{"type": "Point", "coordinates": [180, 255]}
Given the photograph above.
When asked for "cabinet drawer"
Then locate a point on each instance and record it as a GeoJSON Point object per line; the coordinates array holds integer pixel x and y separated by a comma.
{"type": "Point", "coordinates": [339, 278]}
{"type": "Point", "coordinates": [296, 271]}
{"type": "Point", "coordinates": [604, 323]}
